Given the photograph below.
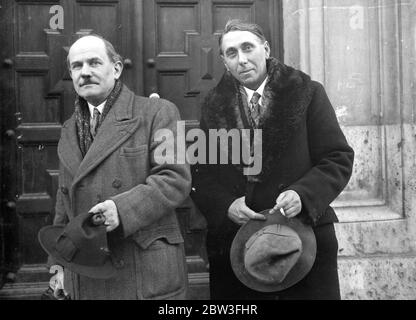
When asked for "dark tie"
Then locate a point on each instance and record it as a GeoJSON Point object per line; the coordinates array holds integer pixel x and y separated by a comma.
{"type": "Point", "coordinates": [255, 108]}
{"type": "Point", "coordinates": [94, 123]}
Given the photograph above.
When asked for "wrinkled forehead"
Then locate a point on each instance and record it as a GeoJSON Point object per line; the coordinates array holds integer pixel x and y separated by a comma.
{"type": "Point", "coordinates": [235, 39]}
{"type": "Point", "coordinates": [87, 47]}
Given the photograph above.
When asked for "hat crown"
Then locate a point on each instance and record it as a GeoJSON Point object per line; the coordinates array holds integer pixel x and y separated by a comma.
{"type": "Point", "coordinates": [274, 254]}
{"type": "Point", "coordinates": [81, 246]}
{"type": "Point", "coordinates": [271, 253]}
{"type": "Point", "coordinates": [83, 243]}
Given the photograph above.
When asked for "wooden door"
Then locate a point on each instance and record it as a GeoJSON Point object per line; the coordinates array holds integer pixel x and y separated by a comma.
{"type": "Point", "coordinates": [37, 98]}
{"type": "Point", "coordinates": [181, 63]}
{"type": "Point", "coordinates": [170, 47]}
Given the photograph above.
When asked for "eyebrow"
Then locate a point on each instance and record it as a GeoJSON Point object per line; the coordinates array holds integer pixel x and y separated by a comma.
{"type": "Point", "coordinates": [232, 49]}
{"type": "Point", "coordinates": [94, 59]}
{"type": "Point", "coordinates": [247, 43]}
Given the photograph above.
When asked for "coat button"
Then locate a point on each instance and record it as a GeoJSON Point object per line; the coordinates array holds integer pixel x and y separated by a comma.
{"type": "Point", "coordinates": [64, 190]}
{"type": "Point", "coordinates": [118, 264]}
{"type": "Point", "coordinates": [117, 184]}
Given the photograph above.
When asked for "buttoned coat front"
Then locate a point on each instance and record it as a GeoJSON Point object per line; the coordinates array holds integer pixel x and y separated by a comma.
{"type": "Point", "coordinates": [121, 166]}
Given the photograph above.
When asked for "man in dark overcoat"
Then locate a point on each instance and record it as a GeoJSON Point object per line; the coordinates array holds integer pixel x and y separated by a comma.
{"type": "Point", "coordinates": [109, 164]}
{"type": "Point", "coordinates": [306, 162]}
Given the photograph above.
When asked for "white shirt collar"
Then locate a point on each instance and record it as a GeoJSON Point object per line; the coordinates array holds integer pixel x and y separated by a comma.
{"type": "Point", "coordinates": [260, 91]}
{"type": "Point", "coordinates": [100, 108]}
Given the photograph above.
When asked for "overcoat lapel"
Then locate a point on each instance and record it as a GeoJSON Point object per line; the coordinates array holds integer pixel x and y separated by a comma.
{"type": "Point", "coordinates": [117, 127]}
{"type": "Point", "coordinates": [68, 148]}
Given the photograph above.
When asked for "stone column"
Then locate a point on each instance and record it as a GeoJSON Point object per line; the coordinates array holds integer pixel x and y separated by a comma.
{"type": "Point", "coordinates": [363, 52]}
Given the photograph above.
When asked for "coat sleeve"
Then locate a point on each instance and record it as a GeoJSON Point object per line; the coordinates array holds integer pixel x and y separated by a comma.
{"type": "Point", "coordinates": [61, 218]}
{"type": "Point", "coordinates": [167, 185]}
{"type": "Point", "coordinates": [331, 156]}
{"type": "Point", "coordinates": [210, 196]}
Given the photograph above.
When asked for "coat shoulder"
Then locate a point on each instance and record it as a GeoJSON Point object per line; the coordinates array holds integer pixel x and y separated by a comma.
{"type": "Point", "coordinates": [155, 106]}
{"type": "Point", "coordinates": [69, 121]}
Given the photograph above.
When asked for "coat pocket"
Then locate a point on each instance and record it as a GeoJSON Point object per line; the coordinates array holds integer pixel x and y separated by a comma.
{"type": "Point", "coordinates": [132, 166]}
{"type": "Point", "coordinates": [133, 152]}
{"type": "Point", "coordinates": [160, 266]}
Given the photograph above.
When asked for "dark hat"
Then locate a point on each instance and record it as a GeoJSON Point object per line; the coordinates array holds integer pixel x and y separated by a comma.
{"type": "Point", "coordinates": [81, 246]}
{"type": "Point", "coordinates": [274, 254]}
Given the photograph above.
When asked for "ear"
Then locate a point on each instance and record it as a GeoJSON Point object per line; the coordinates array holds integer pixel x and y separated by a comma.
{"type": "Point", "coordinates": [267, 48]}
{"type": "Point", "coordinates": [118, 69]}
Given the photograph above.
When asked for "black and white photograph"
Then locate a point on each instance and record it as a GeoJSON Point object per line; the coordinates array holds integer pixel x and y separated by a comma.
{"type": "Point", "coordinates": [218, 151]}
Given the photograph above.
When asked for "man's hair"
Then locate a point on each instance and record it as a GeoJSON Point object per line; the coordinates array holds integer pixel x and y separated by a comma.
{"type": "Point", "coordinates": [112, 54]}
{"type": "Point", "coordinates": [239, 25]}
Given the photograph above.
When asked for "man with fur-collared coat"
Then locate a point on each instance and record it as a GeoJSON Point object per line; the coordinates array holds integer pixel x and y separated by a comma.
{"type": "Point", "coordinates": [109, 164]}
{"type": "Point", "coordinates": [306, 162]}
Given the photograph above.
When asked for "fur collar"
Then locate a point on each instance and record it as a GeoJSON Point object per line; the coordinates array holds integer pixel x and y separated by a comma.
{"type": "Point", "coordinates": [290, 92]}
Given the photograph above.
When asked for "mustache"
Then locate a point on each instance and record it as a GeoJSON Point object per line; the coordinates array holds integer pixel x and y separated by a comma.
{"type": "Point", "coordinates": [87, 82]}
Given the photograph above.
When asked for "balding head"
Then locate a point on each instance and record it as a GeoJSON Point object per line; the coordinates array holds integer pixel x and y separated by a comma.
{"type": "Point", "coordinates": [93, 68]}
{"type": "Point", "coordinates": [112, 54]}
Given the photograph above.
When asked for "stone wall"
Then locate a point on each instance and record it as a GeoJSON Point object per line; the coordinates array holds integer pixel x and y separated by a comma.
{"type": "Point", "coordinates": [363, 51]}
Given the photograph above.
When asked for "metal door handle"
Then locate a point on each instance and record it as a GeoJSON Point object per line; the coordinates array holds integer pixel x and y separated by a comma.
{"type": "Point", "coordinates": [8, 62]}
{"type": "Point", "coordinates": [128, 64]}
{"type": "Point", "coordinates": [151, 63]}
{"type": "Point", "coordinates": [11, 204]}
{"type": "Point", "coordinates": [10, 133]}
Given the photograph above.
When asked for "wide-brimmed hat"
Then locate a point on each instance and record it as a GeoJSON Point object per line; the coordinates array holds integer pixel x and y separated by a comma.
{"type": "Point", "coordinates": [274, 254]}
{"type": "Point", "coordinates": [81, 246]}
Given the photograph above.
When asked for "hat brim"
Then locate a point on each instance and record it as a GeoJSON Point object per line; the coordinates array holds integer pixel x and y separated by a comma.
{"type": "Point", "coordinates": [49, 235]}
{"type": "Point", "coordinates": [299, 270]}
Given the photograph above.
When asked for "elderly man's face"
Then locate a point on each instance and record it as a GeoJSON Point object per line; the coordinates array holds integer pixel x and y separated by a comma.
{"type": "Point", "coordinates": [244, 55]}
{"type": "Point", "coordinates": [92, 71]}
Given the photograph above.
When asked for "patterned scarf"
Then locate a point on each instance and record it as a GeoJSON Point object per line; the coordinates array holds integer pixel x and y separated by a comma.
{"type": "Point", "coordinates": [243, 107]}
{"type": "Point", "coordinates": [83, 117]}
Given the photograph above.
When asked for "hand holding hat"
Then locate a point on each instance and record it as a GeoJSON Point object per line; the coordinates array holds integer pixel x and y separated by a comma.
{"type": "Point", "coordinates": [109, 210]}
{"type": "Point", "coordinates": [288, 203]}
{"type": "Point", "coordinates": [240, 213]}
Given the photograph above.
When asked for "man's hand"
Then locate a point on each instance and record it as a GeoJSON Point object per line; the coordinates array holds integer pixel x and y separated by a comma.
{"type": "Point", "coordinates": [109, 210]}
{"type": "Point", "coordinates": [240, 213]}
{"type": "Point", "coordinates": [288, 203]}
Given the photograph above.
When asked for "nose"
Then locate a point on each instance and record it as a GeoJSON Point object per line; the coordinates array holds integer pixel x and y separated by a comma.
{"type": "Point", "coordinates": [242, 59]}
{"type": "Point", "coordinates": [85, 71]}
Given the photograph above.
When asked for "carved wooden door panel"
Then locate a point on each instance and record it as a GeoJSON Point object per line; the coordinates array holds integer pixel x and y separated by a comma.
{"type": "Point", "coordinates": [41, 96]}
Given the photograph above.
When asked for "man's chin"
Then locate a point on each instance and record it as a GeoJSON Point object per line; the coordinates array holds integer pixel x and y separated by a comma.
{"type": "Point", "coordinates": [86, 92]}
{"type": "Point", "coordinates": [247, 82]}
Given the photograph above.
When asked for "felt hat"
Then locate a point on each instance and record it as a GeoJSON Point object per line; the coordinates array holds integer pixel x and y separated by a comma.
{"type": "Point", "coordinates": [81, 246]}
{"type": "Point", "coordinates": [274, 254]}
